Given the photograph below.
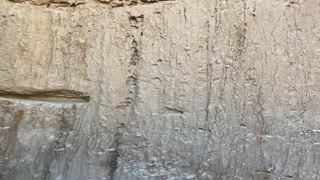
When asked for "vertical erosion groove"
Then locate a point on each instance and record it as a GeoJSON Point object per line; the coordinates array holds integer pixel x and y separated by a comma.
{"type": "Point", "coordinates": [114, 153]}
{"type": "Point", "coordinates": [11, 138]}
{"type": "Point", "coordinates": [209, 77]}
{"type": "Point", "coordinates": [136, 23]}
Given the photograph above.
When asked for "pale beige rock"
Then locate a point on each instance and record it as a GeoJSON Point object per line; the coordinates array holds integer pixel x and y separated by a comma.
{"type": "Point", "coordinates": [182, 89]}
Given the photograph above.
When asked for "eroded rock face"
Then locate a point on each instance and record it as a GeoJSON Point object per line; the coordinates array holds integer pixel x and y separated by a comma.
{"type": "Point", "coordinates": [180, 89]}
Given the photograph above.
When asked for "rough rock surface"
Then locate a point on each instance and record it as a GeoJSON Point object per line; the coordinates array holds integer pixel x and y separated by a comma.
{"type": "Point", "coordinates": [146, 89]}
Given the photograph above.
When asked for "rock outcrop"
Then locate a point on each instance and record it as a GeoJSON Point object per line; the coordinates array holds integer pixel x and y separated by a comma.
{"type": "Point", "coordinates": [151, 89]}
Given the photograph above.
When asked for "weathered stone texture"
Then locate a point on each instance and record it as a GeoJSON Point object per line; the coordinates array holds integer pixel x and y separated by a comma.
{"type": "Point", "coordinates": [184, 89]}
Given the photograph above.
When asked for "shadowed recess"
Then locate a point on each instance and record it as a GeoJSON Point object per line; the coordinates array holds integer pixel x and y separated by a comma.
{"type": "Point", "coordinates": [49, 96]}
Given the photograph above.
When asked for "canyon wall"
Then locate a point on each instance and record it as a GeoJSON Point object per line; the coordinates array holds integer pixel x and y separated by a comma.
{"type": "Point", "coordinates": [151, 89]}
